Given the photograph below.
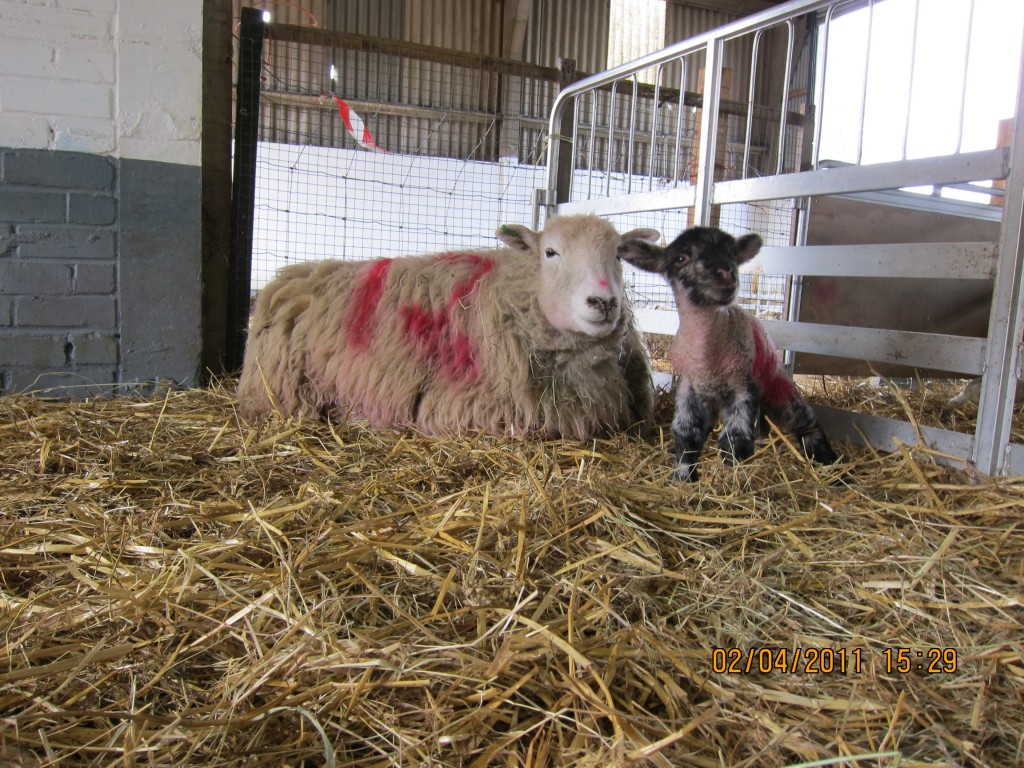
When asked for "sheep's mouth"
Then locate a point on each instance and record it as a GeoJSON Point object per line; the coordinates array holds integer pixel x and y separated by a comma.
{"type": "Point", "coordinates": [600, 325]}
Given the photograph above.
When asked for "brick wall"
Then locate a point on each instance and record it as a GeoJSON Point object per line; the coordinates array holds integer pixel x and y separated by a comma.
{"type": "Point", "coordinates": [100, 194]}
{"type": "Point", "coordinates": [58, 270]}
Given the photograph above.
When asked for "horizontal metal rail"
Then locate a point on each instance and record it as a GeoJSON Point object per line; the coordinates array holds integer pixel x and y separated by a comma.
{"type": "Point", "coordinates": [947, 169]}
{"type": "Point", "coordinates": [935, 351]}
{"type": "Point", "coordinates": [955, 261]}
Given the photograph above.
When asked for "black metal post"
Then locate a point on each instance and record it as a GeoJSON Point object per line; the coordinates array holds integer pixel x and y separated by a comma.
{"type": "Point", "coordinates": [243, 186]}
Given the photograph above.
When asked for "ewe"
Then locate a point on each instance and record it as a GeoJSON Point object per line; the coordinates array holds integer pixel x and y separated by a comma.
{"type": "Point", "coordinates": [725, 359]}
{"type": "Point", "coordinates": [534, 337]}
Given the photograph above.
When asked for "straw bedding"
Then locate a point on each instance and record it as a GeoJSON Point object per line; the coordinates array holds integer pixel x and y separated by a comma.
{"type": "Point", "coordinates": [177, 588]}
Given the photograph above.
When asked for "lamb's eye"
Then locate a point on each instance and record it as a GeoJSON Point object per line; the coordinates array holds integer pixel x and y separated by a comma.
{"type": "Point", "coordinates": [550, 253]}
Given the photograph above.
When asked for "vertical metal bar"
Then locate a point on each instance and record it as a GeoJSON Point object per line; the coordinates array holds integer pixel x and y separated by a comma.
{"type": "Point", "coordinates": [593, 142]}
{"type": "Point", "coordinates": [819, 91]}
{"type": "Point", "coordinates": [709, 132]}
{"type": "Point", "coordinates": [864, 83]}
{"type": "Point", "coordinates": [679, 119]}
{"type": "Point", "coordinates": [910, 83]}
{"type": "Point", "coordinates": [1006, 321]}
{"type": "Point", "coordinates": [654, 126]}
{"type": "Point", "coordinates": [632, 134]}
{"type": "Point", "coordinates": [794, 298]}
{"type": "Point", "coordinates": [754, 50]}
{"type": "Point", "coordinates": [575, 141]}
{"type": "Point", "coordinates": [611, 141]}
{"type": "Point", "coordinates": [243, 186]}
{"type": "Point", "coordinates": [785, 96]}
{"type": "Point", "coordinates": [566, 162]}
{"type": "Point", "coordinates": [963, 85]}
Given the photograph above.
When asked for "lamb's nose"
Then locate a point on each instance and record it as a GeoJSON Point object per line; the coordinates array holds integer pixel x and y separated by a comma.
{"type": "Point", "coordinates": [726, 276]}
{"type": "Point", "coordinates": [602, 305]}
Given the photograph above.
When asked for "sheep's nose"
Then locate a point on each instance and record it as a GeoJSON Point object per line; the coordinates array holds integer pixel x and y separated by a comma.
{"type": "Point", "coordinates": [602, 305]}
{"type": "Point", "coordinates": [726, 276]}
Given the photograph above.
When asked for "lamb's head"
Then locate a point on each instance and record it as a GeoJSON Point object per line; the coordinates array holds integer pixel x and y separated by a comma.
{"type": "Point", "coordinates": [580, 285]}
{"type": "Point", "coordinates": [701, 264]}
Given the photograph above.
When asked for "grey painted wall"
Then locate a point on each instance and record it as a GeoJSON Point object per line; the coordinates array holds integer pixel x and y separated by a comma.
{"type": "Point", "coordinates": [100, 272]}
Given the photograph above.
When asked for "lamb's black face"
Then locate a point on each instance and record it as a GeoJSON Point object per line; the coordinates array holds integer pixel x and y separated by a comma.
{"type": "Point", "coordinates": [703, 260]}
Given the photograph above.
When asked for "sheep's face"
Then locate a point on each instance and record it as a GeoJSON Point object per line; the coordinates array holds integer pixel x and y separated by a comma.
{"type": "Point", "coordinates": [580, 286]}
{"type": "Point", "coordinates": [701, 264]}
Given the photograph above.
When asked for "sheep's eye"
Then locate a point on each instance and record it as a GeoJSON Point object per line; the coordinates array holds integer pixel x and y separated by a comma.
{"type": "Point", "coordinates": [550, 253]}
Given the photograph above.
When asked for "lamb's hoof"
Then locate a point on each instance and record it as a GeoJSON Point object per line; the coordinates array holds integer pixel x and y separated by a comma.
{"type": "Point", "coordinates": [819, 450]}
{"type": "Point", "coordinates": [735, 451]}
{"type": "Point", "coordinates": [686, 473]}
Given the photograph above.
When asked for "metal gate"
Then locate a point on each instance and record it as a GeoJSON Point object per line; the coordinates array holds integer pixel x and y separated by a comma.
{"type": "Point", "coordinates": [681, 134]}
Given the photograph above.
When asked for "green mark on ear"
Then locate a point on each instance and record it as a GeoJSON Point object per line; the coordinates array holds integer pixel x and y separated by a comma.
{"type": "Point", "coordinates": [505, 229]}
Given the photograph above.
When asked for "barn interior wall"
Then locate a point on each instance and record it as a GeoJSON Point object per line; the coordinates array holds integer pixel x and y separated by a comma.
{"type": "Point", "coordinates": [952, 306]}
{"type": "Point", "coordinates": [100, 195]}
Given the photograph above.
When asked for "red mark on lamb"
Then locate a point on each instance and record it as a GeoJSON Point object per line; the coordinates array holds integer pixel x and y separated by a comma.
{"type": "Point", "coordinates": [776, 387]}
{"type": "Point", "coordinates": [433, 334]}
{"type": "Point", "coordinates": [366, 295]}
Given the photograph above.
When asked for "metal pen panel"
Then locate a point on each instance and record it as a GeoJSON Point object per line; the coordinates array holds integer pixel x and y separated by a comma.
{"type": "Point", "coordinates": [787, 128]}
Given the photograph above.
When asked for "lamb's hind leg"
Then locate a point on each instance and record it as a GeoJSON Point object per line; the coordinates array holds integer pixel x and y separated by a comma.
{"type": "Point", "coordinates": [690, 428]}
{"type": "Point", "coordinates": [739, 425]}
{"type": "Point", "coordinates": [797, 417]}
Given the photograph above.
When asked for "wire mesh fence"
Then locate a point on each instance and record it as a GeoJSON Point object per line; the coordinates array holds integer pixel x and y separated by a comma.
{"type": "Point", "coordinates": [375, 148]}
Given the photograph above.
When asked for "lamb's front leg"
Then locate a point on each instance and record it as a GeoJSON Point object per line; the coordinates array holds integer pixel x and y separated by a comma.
{"type": "Point", "coordinates": [740, 413]}
{"type": "Point", "coordinates": [796, 416]}
{"type": "Point", "coordinates": [690, 428]}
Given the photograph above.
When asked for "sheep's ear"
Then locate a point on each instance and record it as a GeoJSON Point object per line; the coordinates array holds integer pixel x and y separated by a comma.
{"type": "Point", "coordinates": [644, 233]}
{"type": "Point", "coordinates": [518, 237]}
{"type": "Point", "coordinates": [747, 247]}
{"type": "Point", "coordinates": [644, 255]}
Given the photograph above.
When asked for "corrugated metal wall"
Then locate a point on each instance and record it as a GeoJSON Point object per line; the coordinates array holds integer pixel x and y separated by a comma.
{"type": "Point", "coordinates": [459, 110]}
{"type": "Point", "coordinates": [576, 29]}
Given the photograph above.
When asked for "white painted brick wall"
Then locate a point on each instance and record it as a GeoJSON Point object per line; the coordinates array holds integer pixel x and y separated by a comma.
{"type": "Point", "coordinates": [110, 77]}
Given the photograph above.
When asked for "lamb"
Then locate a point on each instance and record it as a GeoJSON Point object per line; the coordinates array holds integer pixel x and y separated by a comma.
{"type": "Point", "coordinates": [725, 359]}
{"type": "Point", "coordinates": [971, 393]}
{"type": "Point", "coordinates": [535, 337]}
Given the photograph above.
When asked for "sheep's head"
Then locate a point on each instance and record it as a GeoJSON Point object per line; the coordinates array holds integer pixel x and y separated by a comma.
{"type": "Point", "coordinates": [580, 287]}
{"type": "Point", "coordinates": [702, 263]}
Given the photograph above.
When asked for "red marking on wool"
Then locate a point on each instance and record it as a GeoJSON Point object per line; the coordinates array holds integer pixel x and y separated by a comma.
{"type": "Point", "coordinates": [449, 352]}
{"type": "Point", "coordinates": [366, 296]}
{"type": "Point", "coordinates": [775, 385]}
{"type": "Point", "coordinates": [433, 335]}
{"type": "Point", "coordinates": [602, 283]}
{"type": "Point", "coordinates": [481, 266]}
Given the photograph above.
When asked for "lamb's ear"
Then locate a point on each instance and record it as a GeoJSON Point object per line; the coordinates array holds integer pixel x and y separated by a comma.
{"type": "Point", "coordinates": [747, 247]}
{"type": "Point", "coordinates": [518, 237]}
{"type": "Point", "coordinates": [644, 255]}
{"type": "Point", "coordinates": [643, 233]}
